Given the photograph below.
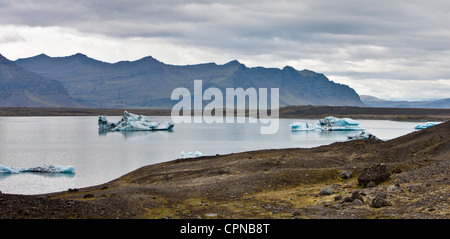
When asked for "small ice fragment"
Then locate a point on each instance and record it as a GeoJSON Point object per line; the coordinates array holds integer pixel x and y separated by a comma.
{"type": "Point", "coordinates": [191, 154]}
{"type": "Point", "coordinates": [300, 126]}
{"type": "Point", "coordinates": [198, 154]}
{"type": "Point", "coordinates": [5, 169]}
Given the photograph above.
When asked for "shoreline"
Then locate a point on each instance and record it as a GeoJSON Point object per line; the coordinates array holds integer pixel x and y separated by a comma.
{"type": "Point", "coordinates": [288, 112]}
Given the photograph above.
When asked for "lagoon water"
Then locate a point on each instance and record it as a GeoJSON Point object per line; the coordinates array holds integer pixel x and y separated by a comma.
{"type": "Point", "coordinates": [101, 157]}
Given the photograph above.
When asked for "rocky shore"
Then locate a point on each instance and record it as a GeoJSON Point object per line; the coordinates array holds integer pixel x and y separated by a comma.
{"type": "Point", "coordinates": [406, 177]}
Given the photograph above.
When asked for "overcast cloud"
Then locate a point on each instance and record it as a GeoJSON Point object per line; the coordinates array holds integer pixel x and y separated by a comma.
{"type": "Point", "coordinates": [389, 49]}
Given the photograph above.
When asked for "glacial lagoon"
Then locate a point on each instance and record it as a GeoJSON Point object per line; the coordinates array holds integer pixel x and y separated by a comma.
{"type": "Point", "coordinates": [102, 157]}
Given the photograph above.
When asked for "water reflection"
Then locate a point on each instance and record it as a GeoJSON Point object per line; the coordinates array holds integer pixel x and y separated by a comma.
{"type": "Point", "coordinates": [328, 135]}
{"type": "Point", "coordinates": [45, 175]}
{"type": "Point", "coordinates": [129, 134]}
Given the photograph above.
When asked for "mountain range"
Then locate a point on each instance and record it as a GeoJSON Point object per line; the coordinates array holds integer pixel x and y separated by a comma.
{"type": "Point", "coordinates": [148, 83]}
{"type": "Point", "coordinates": [19, 87]}
{"type": "Point", "coordinates": [80, 81]}
{"type": "Point", "coordinates": [372, 101]}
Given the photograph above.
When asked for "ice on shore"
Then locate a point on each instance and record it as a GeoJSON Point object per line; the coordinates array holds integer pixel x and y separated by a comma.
{"type": "Point", "coordinates": [424, 126]}
{"type": "Point", "coordinates": [132, 122]}
{"type": "Point", "coordinates": [363, 135]}
{"type": "Point", "coordinates": [41, 169]}
{"type": "Point", "coordinates": [191, 155]}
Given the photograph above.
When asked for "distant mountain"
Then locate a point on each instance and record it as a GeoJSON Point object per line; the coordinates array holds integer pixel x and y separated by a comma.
{"type": "Point", "coordinates": [149, 83]}
{"type": "Point", "coordinates": [19, 87]}
{"type": "Point", "coordinates": [372, 101]}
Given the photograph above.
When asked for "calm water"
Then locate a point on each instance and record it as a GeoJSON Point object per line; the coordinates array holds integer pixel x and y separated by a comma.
{"type": "Point", "coordinates": [99, 158]}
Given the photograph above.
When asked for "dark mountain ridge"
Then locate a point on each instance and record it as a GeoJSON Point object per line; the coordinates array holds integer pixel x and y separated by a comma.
{"type": "Point", "coordinates": [19, 87]}
{"type": "Point", "coordinates": [372, 101]}
{"type": "Point", "coordinates": [148, 83]}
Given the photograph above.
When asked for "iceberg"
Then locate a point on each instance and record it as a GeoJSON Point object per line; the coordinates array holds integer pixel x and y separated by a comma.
{"type": "Point", "coordinates": [424, 126]}
{"type": "Point", "coordinates": [363, 135]}
{"type": "Point", "coordinates": [132, 122]}
{"type": "Point", "coordinates": [300, 126]}
{"type": "Point", "coordinates": [332, 123]}
{"type": "Point", "coordinates": [191, 155]}
{"type": "Point", "coordinates": [41, 169]}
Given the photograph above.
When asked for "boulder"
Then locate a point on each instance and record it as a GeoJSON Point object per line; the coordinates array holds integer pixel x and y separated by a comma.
{"type": "Point", "coordinates": [346, 174]}
{"type": "Point", "coordinates": [376, 174]}
{"type": "Point", "coordinates": [379, 202]}
{"type": "Point", "coordinates": [327, 191]}
{"type": "Point", "coordinates": [357, 195]}
{"type": "Point", "coordinates": [357, 202]}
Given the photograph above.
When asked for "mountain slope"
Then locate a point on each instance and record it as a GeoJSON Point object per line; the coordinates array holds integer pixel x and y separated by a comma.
{"type": "Point", "coordinates": [149, 83]}
{"type": "Point", "coordinates": [19, 87]}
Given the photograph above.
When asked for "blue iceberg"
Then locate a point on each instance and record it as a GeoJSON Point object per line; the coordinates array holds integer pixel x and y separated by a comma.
{"type": "Point", "coordinates": [332, 123]}
{"type": "Point", "coordinates": [132, 122]}
{"type": "Point", "coordinates": [300, 126]}
{"type": "Point", "coordinates": [424, 126]}
{"type": "Point", "coordinates": [41, 169]}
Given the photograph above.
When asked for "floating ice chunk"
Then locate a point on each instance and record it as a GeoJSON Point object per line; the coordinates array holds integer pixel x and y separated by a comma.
{"type": "Point", "coordinates": [198, 154]}
{"type": "Point", "coordinates": [5, 169]}
{"type": "Point", "coordinates": [329, 123]}
{"type": "Point", "coordinates": [191, 154]}
{"type": "Point", "coordinates": [300, 126]}
{"type": "Point", "coordinates": [41, 169]}
{"type": "Point", "coordinates": [51, 169]}
{"type": "Point", "coordinates": [132, 122]}
{"type": "Point", "coordinates": [332, 123]}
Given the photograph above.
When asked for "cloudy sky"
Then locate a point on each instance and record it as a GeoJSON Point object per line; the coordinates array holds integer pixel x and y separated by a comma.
{"type": "Point", "coordinates": [396, 50]}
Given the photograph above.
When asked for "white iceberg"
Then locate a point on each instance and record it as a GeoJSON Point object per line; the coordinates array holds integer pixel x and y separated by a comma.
{"type": "Point", "coordinates": [41, 169]}
{"type": "Point", "coordinates": [300, 126]}
{"type": "Point", "coordinates": [424, 126]}
{"type": "Point", "coordinates": [132, 122]}
{"type": "Point", "coordinates": [332, 123]}
{"type": "Point", "coordinates": [190, 154]}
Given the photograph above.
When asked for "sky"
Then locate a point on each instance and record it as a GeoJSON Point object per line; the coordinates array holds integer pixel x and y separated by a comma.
{"type": "Point", "coordinates": [397, 50]}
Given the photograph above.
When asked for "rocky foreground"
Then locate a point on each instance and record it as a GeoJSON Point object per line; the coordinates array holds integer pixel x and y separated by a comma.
{"type": "Point", "coordinates": [407, 177]}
